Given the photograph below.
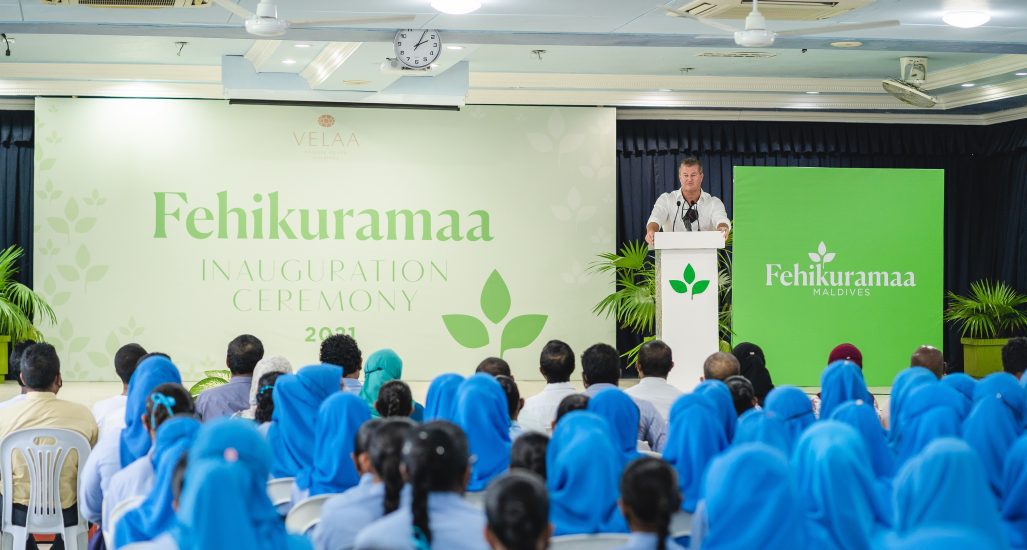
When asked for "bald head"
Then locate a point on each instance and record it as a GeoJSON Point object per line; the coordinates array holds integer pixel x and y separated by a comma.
{"type": "Point", "coordinates": [930, 358]}
{"type": "Point", "coordinates": [720, 366]}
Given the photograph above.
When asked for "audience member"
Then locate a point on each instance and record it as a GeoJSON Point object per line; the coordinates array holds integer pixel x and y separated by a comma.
{"type": "Point", "coordinates": [995, 423]}
{"type": "Point", "coordinates": [761, 426]}
{"type": "Point", "coordinates": [696, 437]}
{"type": "Point", "coordinates": [441, 399]}
{"type": "Point", "coordinates": [436, 465]}
{"type": "Point", "coordinates": [266, 401]}
{"type": "Point", "coordinates": [494, 366]}
{"type": "Point", "coordinates": [846, 352]}
{"type": "Point", "coordinates": [792, 406]}
{"type": "Point", "coordinates": [275, 364]}
{"type": "Point", "coordinates": [517, 511]}
{"type": "Point", "coordinates": [600, 370]}
{"type": "Point", "coordinates": [840, 382]}
{"type": "Point", "coordinates": [930, 358]}
{"type": "Point", "coordinates": [621, 413]}
{"type": "Point", "coordinates": [556, 363]}
{"type": "Point", "coordinates": [965, 385]}
{"type": "Point", "coordinates": [1014, 356]}
{"type": "Point", "coordinates": [382, 368]}
{"type": "Point", "coordinates": [514, 403]}
{"type": "Point", "coordinates": [654, 364]}
{"type": "Point", "coordinates": [720, 397]}
{"type": "Point", "coordinates": [903, 383]}
{"type": "Point", "coordinates": [394, 399]}
{"type": "Point", "coordinates": [743, 395]}
{"type": "Point", "coordinates": [720, 366]}
{"type": "Point", "coordinates": [335, 430]}
{"type": "Point", "coordinates": [528, 452]}
{"type": "Point", "coordinates": [573, 402]}
{"type": "Point", "coordinates": [244, 352]}
{"type": "Point", "coordinates": [863, 419]}
{"type": "Point", "coordinates": [649, 496]}
{"type": "Point", "coordinates": [483, 414]}
{"type": "Point", "coordinates": [753, 366]}
{"type": "Point", "coordinates": [14, 369]}
{"type": "Point", "coordinates": [112, 410]}
{"type": "Point", "coordinates": [1014, 495]}
{"type": "Point", "coordinates": [297, 398]}
{"type": "Point", "coordinates": [342, 351]}
{"type": "Point", "coordinates": [929, 412]}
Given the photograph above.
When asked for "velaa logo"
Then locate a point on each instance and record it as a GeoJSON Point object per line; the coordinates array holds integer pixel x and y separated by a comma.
{"type": "Point", "coordinates": [326, 136]}
{"type": "Point", "coordinates": [825, 282]}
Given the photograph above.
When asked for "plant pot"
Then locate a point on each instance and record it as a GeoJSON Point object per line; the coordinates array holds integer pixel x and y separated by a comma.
{"type": "Point", "coordinates": [982, 357]}
{"type": "Point", "coordinates": [5, 352]}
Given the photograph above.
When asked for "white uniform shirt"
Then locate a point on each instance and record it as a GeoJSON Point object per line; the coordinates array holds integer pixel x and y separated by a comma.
{"type": "Point", "coordinates": [540, 410]}
{"type": "Point", "coordinates": [656, 391]}
{"type": "Point", "coordinates": [668, 213]}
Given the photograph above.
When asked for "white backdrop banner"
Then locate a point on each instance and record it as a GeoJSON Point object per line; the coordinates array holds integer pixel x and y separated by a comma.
{"type": "Point", "coordinates": [447, 236]}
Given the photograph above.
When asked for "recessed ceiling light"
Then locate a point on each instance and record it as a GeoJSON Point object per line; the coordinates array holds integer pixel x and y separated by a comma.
{"type": "Point", "coordinates": [847, 44]}
{"type": "Point", "coordinates": [966, 19]}
{"type": "Point", "coordinates": [454, 47]}
{"type": "Point", "coordinates": [289, 61]}
{"type": "Point", "coordinates": [968, 85]}
{"type": "Point", "coordinates": [1021, 74]}
{"type": "Point", "coordinates": [456, 7]}
{"type": "Point", "coordinates": [301, 45]}
{"type": "Point", "coordinates": [356, 82]}
{"type": "Point", "coordinates": [812, 93]}
{"type": "Point", "coordinates": [664, 90]}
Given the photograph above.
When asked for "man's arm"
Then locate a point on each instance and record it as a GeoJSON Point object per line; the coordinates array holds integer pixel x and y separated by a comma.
{"type": "Point", "coordinates": [650, 232]}
{"type": "Point", "coordinates": [720, 217]}
{"type": "Point", "coordinates": [658, 215]}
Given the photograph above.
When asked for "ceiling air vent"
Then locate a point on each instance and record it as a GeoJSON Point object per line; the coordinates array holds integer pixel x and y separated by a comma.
{"type": "Point", "coordinates": [131, 3]}
{"type": "Point", "coordinates": [783, 10]}
{"type": "Point", "coordinates": [739, 55]}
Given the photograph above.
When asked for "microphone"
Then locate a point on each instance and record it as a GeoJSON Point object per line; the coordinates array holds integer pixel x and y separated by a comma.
{"type": "Point", "coordinates": [673, 225]}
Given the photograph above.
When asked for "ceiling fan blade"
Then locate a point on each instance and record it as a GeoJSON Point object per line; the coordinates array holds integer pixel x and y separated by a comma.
{"type": "Point", "coordinates": [235, 8]}
{"type": "Point", "coordinates": [350, 21]}
{"type": "Point", "coordinates": [840, 28]}
{"type": "Point", "coordinates": [704, 20]}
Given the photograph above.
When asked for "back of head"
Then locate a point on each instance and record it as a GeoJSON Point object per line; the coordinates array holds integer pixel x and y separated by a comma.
{"type": "Point", "coordinates": [863, 418]}
{"type": "Point", "coordinates": [742, 393]}
{"type": "Point", "coordinates": [753, 366]}
{"type": "Point", "coordinates": [570, 403]}
{"type": "Point", "coordinates": [720, 366]}
{"type": "Point", "coordinates": [697, 434]}
{"type": "Point", "coordinates": [529, 453]}
{"type": "Point", "coordinates": [846, 352]}
{"type": "Point", "coordinates": [265, 397]}
{"type": "Point", "coordinates": [556, 362]}
{"type": "Point", "coordinates": [126, 359]}
{"type": "Point", "coordinates": [494, 366]}
{"type": "Point", "coordinates": [930, 358]}
{"type": "Point", "coordinates": [517, 510]}
{"type": "Point", "coordinates": [40, 366]}
{"type": "Point", "coordinates": [1014, 356]}
{"type": "Point", "coordinates": [14, 360]}
{"type": "Point", "coordinates": [394, 399]}
{"type": "Point", "coordinates": [341, 350]}
{"type": "Point", "coordinates": [793, 407]}
{"type": "Point", "coordinates": [166, 401]}
{"type": "Point", "coordinates": [513, 394]}
{"type": "Point", "coordinates": [384, 444]}
{"type": "Point", "coordinates": [655, 359]}
{"type": "Point", "coordinates": [840, 382]}
{"type": "Point", "coordinates": [649, 491]}
{"type": "Point", "coordinates": [600, 364]}
{"type": "Point", "coordinates": [243, 353]}
{"type": "Point", "coordinates": [436, 459]}
{"type": "Point", "coordinates": [762, 426]}
{"type": "Point", "coordinates": [440, 402]}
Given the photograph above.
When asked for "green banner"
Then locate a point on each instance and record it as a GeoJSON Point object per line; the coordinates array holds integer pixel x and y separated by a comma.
{"type": "Point", "coordinates": [824, 256]}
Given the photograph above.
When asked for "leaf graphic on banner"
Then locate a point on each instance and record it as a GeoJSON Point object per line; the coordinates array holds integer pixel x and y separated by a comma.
{"type": "Point", "coordinates": [822, 249]}
{"type": "Point", "coordinates": [468, 331]}
{"type": "Point", "coordinates": [58, 225]}
{"type": "Point", "coordinates": [71, 209]}
{"type": "Point", "coordinates": [521, 331]}
{"type": "Point", "coordinates": [495, 298]}
{"type": "Point", "coordinates": [679, 286]}
{"type": "Point", "coordinates": [84, 225]}
{"type": "Point", "coordinates": [68, 272]}
{"type": "Point", "coordinates": [46, 164]}
{"type": "Point", "coordinates": [60, 298]}
{"type": "Point", "coordinates": [689, 274]}
{"type": "Point", "coordinates": [95, 273]}
{"type": "Point", "coordinates": [700, 287]}
{"type": "Point", "coordinates": [97, 358]}
{"type": "Point", "coordinates": [828, 257]}
{"type": "Point", "coordinates": [78, 344]}
{"type": "Point", "coordinates": [814, 257]}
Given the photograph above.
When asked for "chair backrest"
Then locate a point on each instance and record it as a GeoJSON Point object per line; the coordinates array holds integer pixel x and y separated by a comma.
{"type": "Point", "coordinates": [305, 515]}
{"type": "Point", "coordinates": [44, 452]}
{"type": "Point", "coordinates": [680, 524]}
{"type": "Point", "coordinates": [653, 454]}
{"type": "Point", "coordinates": [122, 508]}
{"type": "Point", "coordinates": [601, 541]}
{"type": "Point", "coordinates": [279, 490]}
{"type": "Point", "coordinates": [476, 499]}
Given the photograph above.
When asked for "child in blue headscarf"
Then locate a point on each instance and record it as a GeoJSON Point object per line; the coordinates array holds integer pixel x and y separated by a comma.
{"type": "Point", "coordinates": [840, 382]}
{"type": "Point", "coordinates": [863, 418]}
{"type": "Point", "coordinates": [335, 429]}
{"type": "Point", "coordinates": [930, 412]}
{"type": "Point", "coordinates": [297, 398]}
{"type": "Point", "coordinates": [994, 423]}
{"type": "Point", "coordinates": [482, 412]}
{"type": "Point", "coordinates": [794, 408]}
{"type": "Point", "coordinates": [696, 437]}
{"type": "Point", "coordinates": [719, 396]}
{"type": "Point", "coordinates": [1014, 495]}
{"type": "Point", "coordinates": [762, 426]}
{"type": "Point", "coordinates": [904, 382]}
{"type": "Point", "coordinates": [621, 413]}
{"type": "Point", "coordinates": [441, 400]}
{"type": "Point", "coordinates": [965, 385]}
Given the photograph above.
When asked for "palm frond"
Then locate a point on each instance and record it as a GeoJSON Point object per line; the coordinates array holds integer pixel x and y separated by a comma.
{"type": "Point", "coordinates": [19, 305]}
{"type": "Point", "coordinates": [990, 310]}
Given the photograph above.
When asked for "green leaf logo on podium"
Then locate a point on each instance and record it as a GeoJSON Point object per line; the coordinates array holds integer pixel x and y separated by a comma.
{"type": "Point", "coordinates": [471, 332]}
{"type": "Point", "coordinates": [688, 284]}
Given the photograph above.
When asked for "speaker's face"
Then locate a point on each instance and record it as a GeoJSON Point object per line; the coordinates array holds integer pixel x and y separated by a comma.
{"type": "Point", "coordinates": [690, 177]}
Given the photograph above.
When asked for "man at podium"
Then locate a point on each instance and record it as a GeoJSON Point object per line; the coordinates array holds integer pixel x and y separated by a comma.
{"type": "Point", "coordinates": [689, 208]}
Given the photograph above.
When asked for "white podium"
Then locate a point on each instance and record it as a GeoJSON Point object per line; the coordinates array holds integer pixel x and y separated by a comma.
{"type": "Point", "coordinates": [687, 304]}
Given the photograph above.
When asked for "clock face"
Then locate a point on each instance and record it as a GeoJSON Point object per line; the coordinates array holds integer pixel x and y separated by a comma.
{"type": "Point", "coordinates": [418, 48]}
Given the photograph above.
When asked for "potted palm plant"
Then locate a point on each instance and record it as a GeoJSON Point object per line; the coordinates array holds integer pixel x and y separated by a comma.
{"type": "Point", "coordinates": [19, 306]}
{"type": "Point", "coordinates": [986, 318]}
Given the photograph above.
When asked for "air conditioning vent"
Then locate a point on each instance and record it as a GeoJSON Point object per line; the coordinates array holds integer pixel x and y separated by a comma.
{"type": "Point", "coordinates": [739, 55]}
{"type": "Point", "coordinates": [130, 3]}
{"type": "Point", "coordinates": [782, 10]}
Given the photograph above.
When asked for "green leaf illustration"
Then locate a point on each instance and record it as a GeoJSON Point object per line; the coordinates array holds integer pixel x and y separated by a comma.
{"type": "Point", "coordinates": [689, 274]}
{"type": "Point", "coordinates": [98, 359]}
{"type": "Point", "coordinates": [700, 287]}
{"type": "Point", "coordinates": [68, 272]}
{"type": "Point", "coordinates": [84, 225]}
{"type": "Point", "coordinates": [71, 209]}
{"type": "Point", "coordinates": [58, 224]}
{"type": "Point", "coordinates": [46, 164]}
{"type": "Point", "coordinates": [468, 331]}
{"type": "Point", "coordinates": [521, 331]}
{"type": "Point", "coordinates": [112, 343]}
{"type": "Point", "coordinates": [95, 273]}
{"type": "Point", "coordinates": [82, 257]}
{"type": "Point", "coordinates": [60, 298]}
{"type": "Point", "coordinates": [495, 298]}
{"type": "Point", "coordinates": [679, 286]}
{"type": "Point", "coordinates": [78, 344]}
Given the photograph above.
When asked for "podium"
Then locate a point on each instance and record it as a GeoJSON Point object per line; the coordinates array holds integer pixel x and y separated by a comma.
{"type": "Point", "coordinates": [687, 302]}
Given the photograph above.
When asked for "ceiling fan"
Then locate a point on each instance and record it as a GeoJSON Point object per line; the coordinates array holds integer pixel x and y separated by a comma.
{"type": "Point", "coordinates": [266, 23]}
{"type": "Point", "coordinates": [756, 34]}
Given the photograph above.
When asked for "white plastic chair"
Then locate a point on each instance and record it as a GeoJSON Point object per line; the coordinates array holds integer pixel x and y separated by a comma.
{"type": "Point", "coordinates": [305, 515]}
{"type": "Point", "coordinates": [601, 541]}
{"type": "Point", "coordinates": [653, 454]}
{"type": "Point", "coordinates": [476, 499]}
{"type": "Point", "coordinates": [680, 524]}
{"type": "Point", "coordinates": [122, 508]}
{"type": "Point", "coordinates": [44, 451]}
{"type": "Point", "coordinates": [279, 490]}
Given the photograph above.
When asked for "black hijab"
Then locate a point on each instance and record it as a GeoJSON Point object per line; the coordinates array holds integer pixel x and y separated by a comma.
{"type": "Point", "coordinates": [754, 367]}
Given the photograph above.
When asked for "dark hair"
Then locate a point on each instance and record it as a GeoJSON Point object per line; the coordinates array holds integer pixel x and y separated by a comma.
{"type": "Point", "coordinates": [513, 395]}
{"type": "Point", "coordinates": [178, 476]}
{"type": "Point", "coordinates": [600, 364]}
{"type": "Point", "coordinates": [126, 359]}
{"type": "Point", "coordinates": [654, 358]}
{"type": "Point", "coordinates": [243, 353]}
{"type": "Point", "coordinates": [365, 435]}
{"type": "Point", "coordinates": [386, 450]}
{"type": "Point", "coordinates": [690, 161]}
{"type": "Point", "coordinates": [265, 389]}
{"type": "Point", "coordinates": [435, 456]}
{"type": "Point", "coordinates": [742, 393]}
{"type": "Point", "coordinates": [167, 400]}
{"type": "Point", "coordinates": [40, 366]}
{"type": "Point", "coordinates": [394, 399]}
{"type": "Point", "coordinates": [720, 365]}
{"type": "Point", "coordinates": [556, 361]}
{"type": "Point", "coordinates": [1014, 356]}
{"type": "Point", "coordinates": [152, 354]}
{"type": "Point", "coordinates": [528, 452]}
{"type": "Point", "coordinates": [341, 350]}
{"type": "Point", "coordinates": [649, 490]}
{"type": "Point", "coordinates": [573, 402]}
{"type": "Point", "coordinates": [14, 361]}
{"type": "Point", "coordinates": [517, 510]}
{"type": "Point", "coordinates": [494, 366]}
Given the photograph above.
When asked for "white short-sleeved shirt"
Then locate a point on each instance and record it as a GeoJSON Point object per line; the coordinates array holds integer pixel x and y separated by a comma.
{"type": "Point", "coordinates": [667, 212]}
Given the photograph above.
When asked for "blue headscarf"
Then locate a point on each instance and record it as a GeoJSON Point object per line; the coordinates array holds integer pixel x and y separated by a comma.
{"type": "Point", "coordinates": [1005, 384]}
{"type": "Point", "coordinates": [583, 477]}
{"type": "Point", "coordinates": [762, 426]}
{"type": "Point", "coordinates": [297, 398]}
{"type": "Point", "coordinates": [939, 538]}
{"type": "Point", "coordinates": [335, 431]}
{"type": "Point", "coordinates": [831, 460]}
{"type": "Point", "coordinates": [965, 386]}
{"type": "Point", "coordinates": [441, 400]}
{"type": "Point", "coordinates": [152, 372]}
{"type": "Point", "coordinates": [794, 408]}
{"type": "Point", "coordinates": [929, 412]}
{"type": "Point", "coordinates": [720, 396]}
{"type": "Point", "coordinates": [903, 383]}
{"type": "Point", "coordinates": [994, 425]}
{"type": "Point", "coordinates": [1014, 495]}
{"type": "Point", "coordinates": [621, 412]}
{"type": "Point", "coordinates": [862, 416]}
{"type": "Point", "coordinates": [841, 381]}
{"type": "Point", "coordinates": [482, 411]}
{"type": "Point", "coordinates": [156, 515]}
{"type": "Point", "coordinates": [696, 436]}
{"type": "Point", "coordinates": [224, 502]}
{"type": "Point", "coordinates": [945, 486]}
{"type": "Point", "coordinates": [751, 501]}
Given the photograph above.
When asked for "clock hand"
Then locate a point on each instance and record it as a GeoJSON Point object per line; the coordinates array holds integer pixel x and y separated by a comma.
{"type": "Point", "coordinates": [422, 40]}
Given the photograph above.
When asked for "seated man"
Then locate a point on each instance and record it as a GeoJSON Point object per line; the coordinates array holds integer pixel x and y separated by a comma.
{"type": "Point", "coordinates": [243, 353]}
{"type": "Point", "coordinates": [556, 363]}
{"type": "Point", "coordinates": [110, 412]}
{"type": "Point", "coordinates": [41, 374]}
{"type": "Point", "coordinates": [721, 366]}
{"type": "Point", "coordinates": [654, 363]}
{"type": "Point", "coordinates": [600, 369]}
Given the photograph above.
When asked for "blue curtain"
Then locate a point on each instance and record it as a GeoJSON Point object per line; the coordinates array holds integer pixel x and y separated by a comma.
{"type": "Point", "coordinates": [16, 128]}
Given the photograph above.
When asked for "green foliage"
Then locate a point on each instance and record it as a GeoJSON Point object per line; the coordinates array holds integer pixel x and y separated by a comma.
{"type": "Point", "coordinates": [471, 332]}
{"type": "Point", "coordinates": [207, 383]}
{"type": "Point", "coordinates": [991, 310]}
{"type": "Point", "coordinates": [19, 305]}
